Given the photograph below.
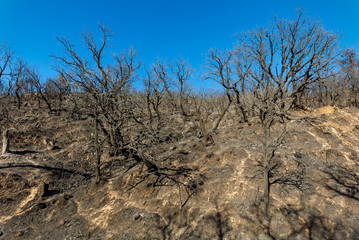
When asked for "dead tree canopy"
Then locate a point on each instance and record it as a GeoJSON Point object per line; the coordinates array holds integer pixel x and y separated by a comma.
{"type": "Point", "coordinates": [107, 86]}
{"type": "Point", "coordinates": [221, 67]}
{"type": "Point", "coordinates": [268, 71]}
{"type": "Point", "coordinates": [6, 55]}
{"type": "Point", "coordinates": [349, 74]}
{"type": "Point", "coordinates": [19, 76]}
{"type": "Point", "coordinates": [286, 57]}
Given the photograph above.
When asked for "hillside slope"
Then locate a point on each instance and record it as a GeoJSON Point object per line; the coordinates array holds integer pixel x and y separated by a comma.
{"type": "Point", "coordinates": [203, 191]}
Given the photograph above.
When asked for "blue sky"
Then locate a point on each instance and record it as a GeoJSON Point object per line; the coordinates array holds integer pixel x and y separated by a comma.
{"type": "Point", "coordinates": [158, 29]}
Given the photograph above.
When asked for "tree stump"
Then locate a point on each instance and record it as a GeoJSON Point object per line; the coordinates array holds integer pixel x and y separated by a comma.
{"type": "Point", "coordinates": [5, 142]}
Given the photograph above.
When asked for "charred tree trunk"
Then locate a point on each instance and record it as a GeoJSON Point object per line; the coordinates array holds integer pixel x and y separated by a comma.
{"type": "Point", "coordinates": [149, 111]}
{"type": "Point", "coordinates": [223, 112]}
{"type": "Point", "coordinates": [140, 156]}
{"type": "Point", "coordinates": [98, 165]}
{"type": "Point", "coordinates": [266, 168]}
{"type": "Point", "coordinates": [240, 105]}
{"type": "Point", "coordinates": [18, 97]}
{"type": "Point", "coordinates": [98, 155]}
{"type": "Point", "coordinates": [47, 101]}
{"type": "Point", "coordinates": [266, 191]}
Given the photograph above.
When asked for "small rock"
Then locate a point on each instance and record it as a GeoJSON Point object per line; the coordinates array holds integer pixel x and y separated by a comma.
{"type": "Point", "coordinates": [209, 155]}
{"type": "Point", "coordinates": [19, 234]}
{"type": "Point", "coordinates": [67, 197]}
{"type": "Point", "coordinates": [42, 190]}
{"type": "Point", "coordinates": [184, 152]}
{"type": "Point", "coordinates": [42, 205]}
{"type": "Point", "coordinates": [192, 185]}
{"type": "Point", "coordinates": [138, 216]}
{"type": "Point", "coordinates": [168, 138]}
{"type": "Point", "coordinates": [51, 145]}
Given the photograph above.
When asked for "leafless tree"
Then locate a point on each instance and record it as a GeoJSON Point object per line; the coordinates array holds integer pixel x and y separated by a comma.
{"type": "Point", "coordinates": [19, 74]}
{"type": "Point", "coordinates": [349, 69]}
{"type": "Point", "coordinates": [42, 93]}
{"type": "Point", "coordinates": [202, 109]}
{"type": "Point", "coordinates": [274, 66]}
{"type": "Point", "coordinates": [182, 71]}
{"type": "Point", "coordinates": [156, 85]}
{"type": "Point", "coordinates": [289, 54]}
{"type": "Point", "coordinates": [167, 83]}
{"type": "Point", "coordinates": [55, 89]}
{"type": "Point", "coordinates": [107, 87]}
{"type": "Point", "coordinates": [6, 55]}
{"type": "Point", "coordinates": [221, 68]}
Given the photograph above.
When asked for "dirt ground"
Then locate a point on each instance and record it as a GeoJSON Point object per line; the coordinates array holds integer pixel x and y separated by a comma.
{"type": "Point", "coordinates": [47, 190]}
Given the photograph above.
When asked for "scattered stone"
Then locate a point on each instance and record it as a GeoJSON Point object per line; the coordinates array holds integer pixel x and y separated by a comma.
{"type": "Point", "coordinates": [209, 155]}
{"type": "Point", "coordinates": [138, 216]}
{"type": "Point", "coordinates": [67, 196]}
{"type": "Point", "coordinates": [209, 140]}
{"type": "Point", "coordinates": [184, 152]}
{"type": "Point", "coordinates": [43, 190]}
{"type": "Point", "coordinates": [42, 205]}
{"type": "Point", "coordinates": [51, 145]}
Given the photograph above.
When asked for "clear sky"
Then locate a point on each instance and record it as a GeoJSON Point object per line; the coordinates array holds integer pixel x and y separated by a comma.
{"type": "Point", "coordinates": [158, 28]}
